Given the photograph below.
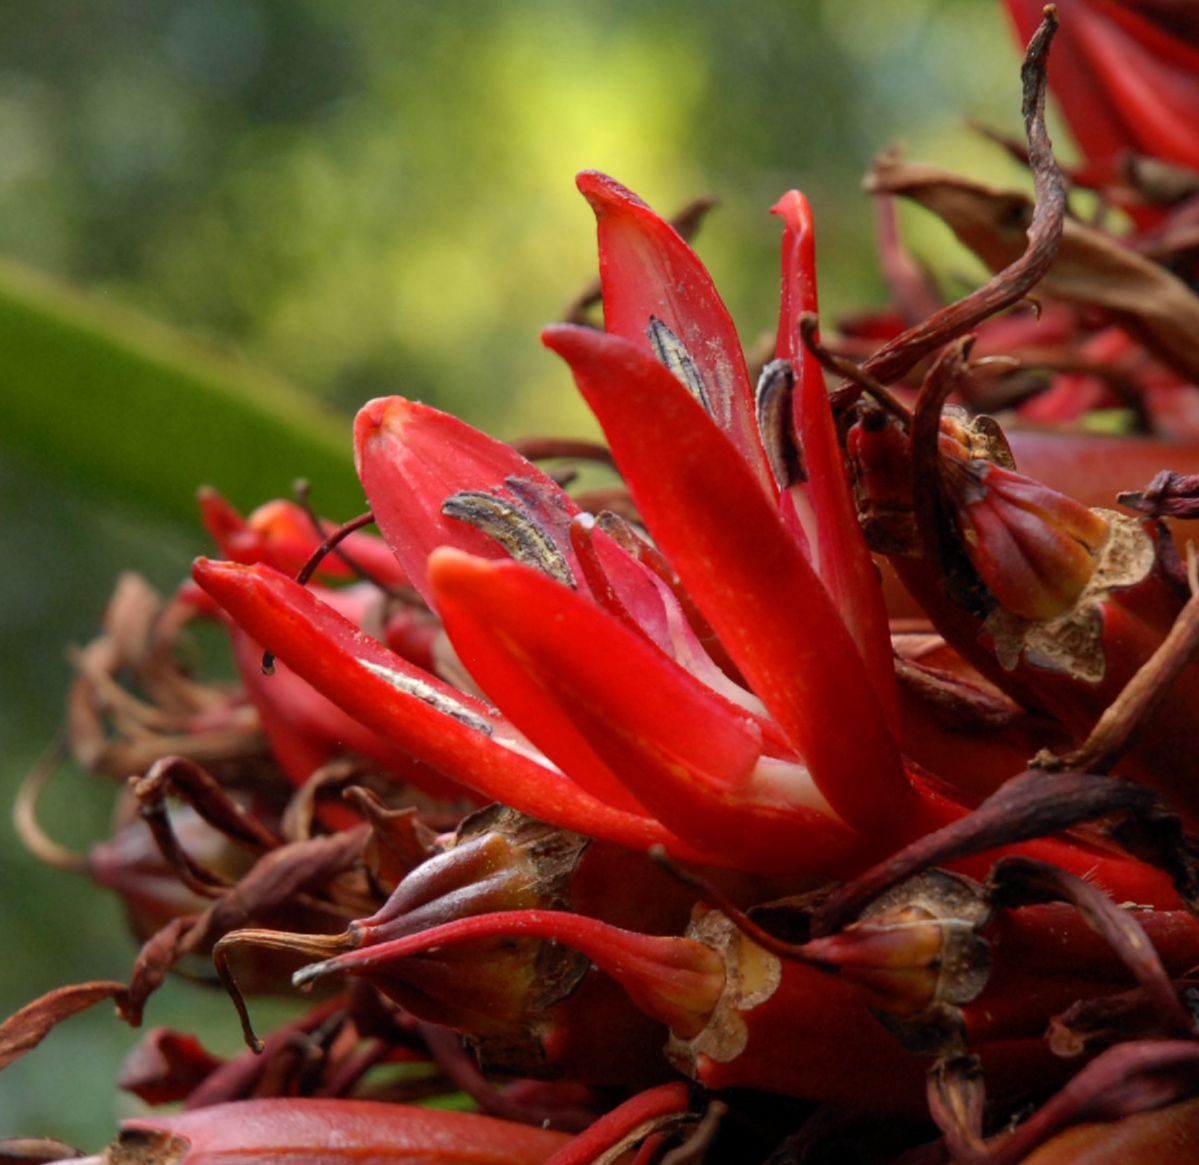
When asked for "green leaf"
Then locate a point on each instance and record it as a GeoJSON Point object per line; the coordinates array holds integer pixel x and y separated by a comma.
{"type": "Point", "coordinates": [122, 405]}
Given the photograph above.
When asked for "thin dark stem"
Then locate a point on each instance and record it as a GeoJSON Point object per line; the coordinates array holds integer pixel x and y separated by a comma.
{"type": "Point", "coordinates": [1014, 282]}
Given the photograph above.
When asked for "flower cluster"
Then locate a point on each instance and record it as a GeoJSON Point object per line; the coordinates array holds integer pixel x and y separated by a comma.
{"type": "Point", "coordinates": [789, 772]}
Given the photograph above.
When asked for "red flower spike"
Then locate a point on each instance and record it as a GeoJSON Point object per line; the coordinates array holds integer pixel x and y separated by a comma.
{"type": "Point", "coordinates": [411, 458]}
{"type": "Point", "coordinates": [676, 981]}
{"type": "Point", "coordinates": [650, 274]}
{"type": "Point", "coordinates": [332, 1132]}
{"type": "Point", "coordinates": [838, 549]}
{"type": "Point", "coordinates": [748, 577]}
{"type": "Point", "coordinates": [678, 747]}
{"type": "Point", "coordinates": [459, 736]}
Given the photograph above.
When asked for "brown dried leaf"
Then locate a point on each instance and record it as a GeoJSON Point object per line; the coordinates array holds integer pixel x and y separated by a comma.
{"type": "Point", "coordinates": [25, 1029]}
{"type": "Point", "coordinates": [181, 777]}
{"type": "Point", "coordinates": [1090, 1025]}
{"type": "Point", "coordinates": [158, 955]}
{"type": "Point", "coordinates": [1168, 495]}
{"type": "Point", "coordinates": [1025, 264]}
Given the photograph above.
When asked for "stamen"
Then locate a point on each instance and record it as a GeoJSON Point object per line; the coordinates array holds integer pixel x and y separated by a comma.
{"type": "Point", "coordinates": [302, 488]}
{"type": "Point", "coordinates": [428, 694]}
{"type": "Point", "coordinates": [772, 401]}
{"type": "Point", "coordinates": [512, 528]}
{"type": "Point", "coordinates": [670, 351]}
{"type": "Point", "coordinates": [856, 374]}
{"type": "Point", "coordinates": [314, 560]}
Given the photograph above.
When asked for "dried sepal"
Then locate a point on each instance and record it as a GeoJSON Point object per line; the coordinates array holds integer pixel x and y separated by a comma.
{"type": "Point", "coordinates": [22, 1031]}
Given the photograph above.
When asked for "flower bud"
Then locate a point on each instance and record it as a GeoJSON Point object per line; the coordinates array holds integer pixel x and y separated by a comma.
{"type": "Point", "coordinates": [1034, 548]}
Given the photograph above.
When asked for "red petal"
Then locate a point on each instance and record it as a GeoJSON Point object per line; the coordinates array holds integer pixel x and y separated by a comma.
{"type": "Point", "coordinates": [746, 574]}
{"type": "Point", "coordinates": [648, 271]}
{"type": "Point", "coordinates": [838, 549]}
{"type": "Point", "coordinates": [281, 534]}
{"type": "Point", "coordinates": [305, 730]}
{"type": "Point", "coordinates": [583, 686]}
{"type": "Point", "coordinates": [412, 457]}
{"type": "Point", "coordinates": [629, 590]}
{"type": "Point", "coordinates": [360, 675]}
{"type": "Point", "coordinates": [346, 1132]}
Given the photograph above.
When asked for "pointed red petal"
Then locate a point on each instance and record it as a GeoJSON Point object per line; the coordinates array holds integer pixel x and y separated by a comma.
{"type": "Point", "coordinates": [799, 274]}
{"type": "Point", "coordinates": [649, 272]}
{"type": "Point", "coordinates": [455, 733]}
{"type": "Point", "coordinates": [746, 574]}
{"type": "Point", "coordinates": [412, 457]}
{"type": "Point", "coordinates": [823, 501]}
{"type": "Point", "coordinates": [580, 684]}
{"type": "Point", "coordinates": [630, 591]}
{"type": "Point", "coordinates": [838, 549]}
{"type": "Point", "coordinates": [223, 521]}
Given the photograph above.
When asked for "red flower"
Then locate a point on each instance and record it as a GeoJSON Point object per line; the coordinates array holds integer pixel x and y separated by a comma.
{"type": "Point", "coordinates": [607, 714]}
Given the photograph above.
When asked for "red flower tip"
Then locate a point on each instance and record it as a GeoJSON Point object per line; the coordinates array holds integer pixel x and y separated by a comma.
{"type": "Point", "coordinates": [605, 193]}
{"type": "Point", "coordinates": [221, 518]}
{"type": "Point", "coordinates": [383, 412]}
{"type": "Point", "coordinates": [799, 273]}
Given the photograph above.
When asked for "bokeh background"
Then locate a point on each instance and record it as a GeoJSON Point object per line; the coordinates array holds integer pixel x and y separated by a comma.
{"type": "Point", "coordinates": [362, 198]}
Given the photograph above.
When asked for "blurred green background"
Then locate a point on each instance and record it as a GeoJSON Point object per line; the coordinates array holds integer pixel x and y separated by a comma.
{"type": "Point", "coordinates": [363, 198]}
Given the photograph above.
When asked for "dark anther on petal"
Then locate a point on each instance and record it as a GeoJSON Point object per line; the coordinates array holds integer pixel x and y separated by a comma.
{"type": "Point", "coordinates": [428, 694]}
{"type": "Point", "coordinates": [669, 349]}
{"type": "Point", "coordinates": [773, 404]}
{"type": "Point", "coordinates": [512, 528]}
